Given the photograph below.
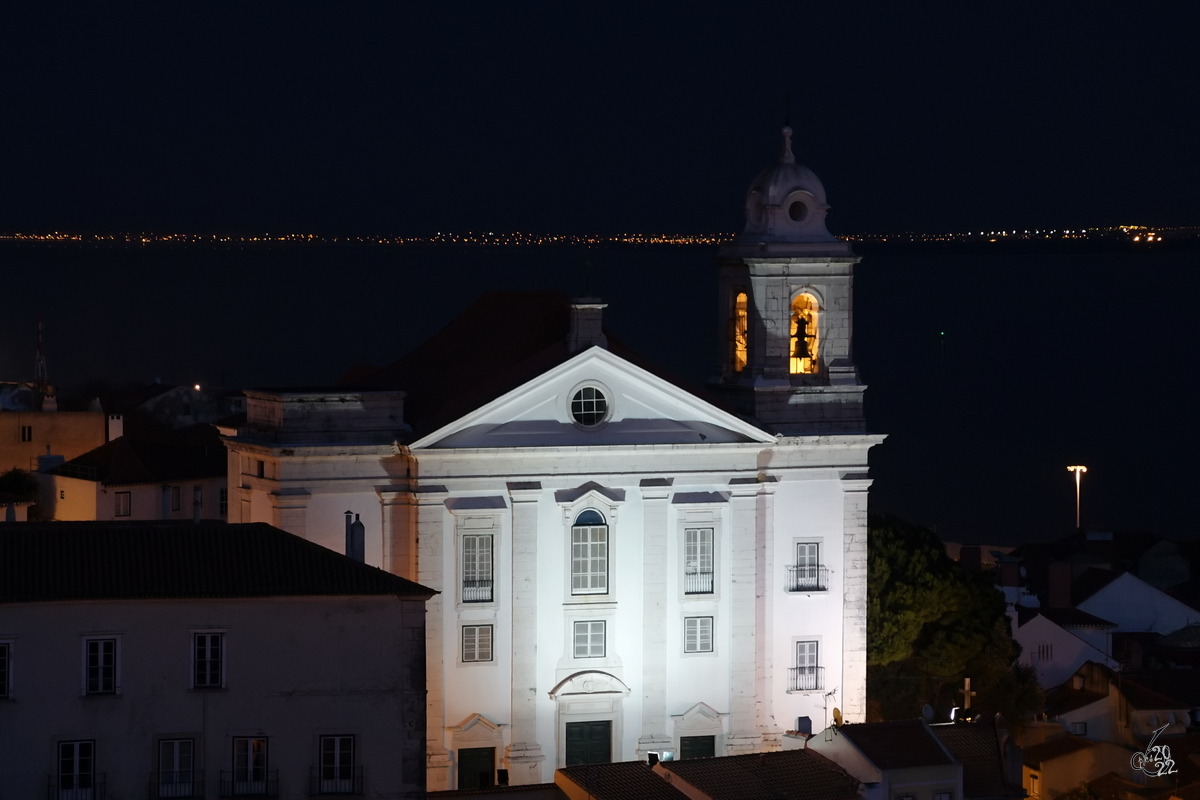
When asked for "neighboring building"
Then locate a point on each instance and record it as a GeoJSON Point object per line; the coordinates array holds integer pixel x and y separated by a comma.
{"type": "Point", "coordinates": [627, 563]}
{"type": "Point", "coordinates": [184, 406]}
{"type": "Point", "coordinates": [1136, 606]}
{"type": "Point", "coordinates": [204, 660]}
{"type": "Point", "coordinates": [27, 435]}
{"type": "Point", "coordinates": [1061, 764]}
{"type": "Point", "coordinates": [990, 759]}
{"type": "Point", "coordinates": [177, 477]}
{"type": "Point", "coordinates": [1058, 641]}
{"type": "Point", "coordinates": [901, 759]}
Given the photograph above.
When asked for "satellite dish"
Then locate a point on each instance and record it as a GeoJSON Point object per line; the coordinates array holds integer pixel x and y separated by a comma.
{"type": "Point", "coordinates": [927, 712]}
{"type": "Point", "coordinates": [837, 717]}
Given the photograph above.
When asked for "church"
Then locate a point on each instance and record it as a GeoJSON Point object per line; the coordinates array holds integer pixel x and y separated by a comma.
{"type": "Point", "coordinates": [626, 564]}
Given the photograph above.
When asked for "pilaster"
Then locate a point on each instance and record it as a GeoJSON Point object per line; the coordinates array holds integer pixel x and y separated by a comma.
{"type": "Point", "coordinates": [524, 755]}
{"type": "Point", "coordinates": [289, 511]}
{"type": "Point", "coordinates": [744, 736]}
{"type": "Point", "coordinates": [854, 600]}
{"type": "Point", "coordinates": [654, 619]}
{"type": "Point", "coordinates": [399, 505]}
{"type": "Point", "coordinates": [764, 553]}
{"type": "Point", "coordinates": [431, 537]}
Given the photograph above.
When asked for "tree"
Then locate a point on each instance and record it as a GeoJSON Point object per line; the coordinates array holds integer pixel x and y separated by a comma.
{"type": "Point", "coordinates": [19, 484]}
{"type": "Point", "coordinates": [930, 624]}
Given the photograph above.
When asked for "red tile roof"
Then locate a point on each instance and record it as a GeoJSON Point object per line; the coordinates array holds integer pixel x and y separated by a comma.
{"type": "Point", "coordinates": [188, 455]}
{"type": "Point", "coordinates": [898, 744]}
{"type": "Point", "coordinates": [786, 775]}
{"type": "Point", "coordinates": [54, 561]}
{"type": "Point", "coordinates": [625, 780]}
{"type": "Point", "coordinates": [976, 746]}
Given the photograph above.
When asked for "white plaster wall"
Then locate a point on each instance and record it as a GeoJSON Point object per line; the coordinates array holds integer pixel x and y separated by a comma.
{"type": "Point", "coordinates": [1136, 606]}
{"type": "Point", "coordinates": [296, 668]}
{"type": "Point", "coordinates": [808, 510]}
{"type": "Point", "coordinates": [1069, 651]}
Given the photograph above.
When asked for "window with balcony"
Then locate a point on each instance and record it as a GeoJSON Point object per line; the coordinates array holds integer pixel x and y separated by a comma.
{"type": "Point", "coordinates": [176, 775]}
{"type": "Point", "coordinates": [76, 773]}
{"type": "Point", "coordinates": [337, 772]}
{"type": "Point", "coordinates": [808, 674]}
{"type": "Point", "coordinates": [698, 561]}
{"type": "Point", "coordinates": [477, 568]}
{"type": "Point", "coordinates": [250, 776]}
{"type": "Point", "coordinates": [807, 574]}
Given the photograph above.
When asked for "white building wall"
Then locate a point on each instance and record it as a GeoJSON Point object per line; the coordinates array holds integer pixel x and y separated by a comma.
{"type": "Point", "coordinates": [1066, 653]}
{"type": "Point", "coordinates": [1137, 606]}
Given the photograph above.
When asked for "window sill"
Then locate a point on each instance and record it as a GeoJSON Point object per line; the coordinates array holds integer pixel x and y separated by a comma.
{"type": "Point", "coordinates": [208, 689]}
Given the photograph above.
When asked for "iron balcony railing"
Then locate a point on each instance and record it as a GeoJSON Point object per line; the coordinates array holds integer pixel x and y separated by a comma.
{"type": "Point", "coordinates": [79, 787]}
{"type": "Point", "coordinates": [478, 590]}
{"type": "Point", "coordinates": [806, 679]}
{"type": "Point", "coordinates": [807, 579]}
{"type": "Point", "coordinates": [325, 781]}
{"type": "Point", "coordinates": [250, 783]}
{"type": "Point", "coordinates": [176, 784]}
{"type": "Point", "coordinates": [698, 582]}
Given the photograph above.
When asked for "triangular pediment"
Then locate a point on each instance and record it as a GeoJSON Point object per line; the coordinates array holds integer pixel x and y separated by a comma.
{"type": "Point", "coordinates": [640, 407]}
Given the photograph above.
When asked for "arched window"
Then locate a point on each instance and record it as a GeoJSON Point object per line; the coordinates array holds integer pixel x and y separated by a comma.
{"type": "Point", "coordinates": [738, 331]}
{"type": "Point", "coordinates": [805, 336]}
{"type": "Point", "coordinates": [589, 554]}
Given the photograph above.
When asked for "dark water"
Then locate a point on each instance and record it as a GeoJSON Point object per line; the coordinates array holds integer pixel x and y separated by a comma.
{"type": "Point", "coordinates": [1045, 361]}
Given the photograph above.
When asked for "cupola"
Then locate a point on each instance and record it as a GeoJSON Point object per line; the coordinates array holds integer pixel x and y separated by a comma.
{"type": "Point", "coordinates": [786, 202]}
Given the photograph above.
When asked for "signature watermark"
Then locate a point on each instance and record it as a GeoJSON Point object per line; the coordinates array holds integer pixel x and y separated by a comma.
{"type": "Point", "coordinates": [1156, 760]}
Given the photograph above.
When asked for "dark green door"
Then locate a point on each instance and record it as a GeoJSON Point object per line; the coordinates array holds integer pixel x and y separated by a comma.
{"type": "Point", "coordinates": [476, 767]}
{"type": "Point", "coordinates": [589, 743]}
{"type": "Point", "coordinates": [697, 746]}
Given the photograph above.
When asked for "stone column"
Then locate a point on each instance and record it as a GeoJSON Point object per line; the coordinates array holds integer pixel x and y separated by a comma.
{"type": "Point", "coordinates": [744, 736]}
{"type": "Point", "coordinates": [854, 594]}
{"type": "Point", "coordinates": [654, 620]}
{"type": "Point", "coordinates": [524, 756]}
{"type": "Point", "coordinates": [432, 545]}
{"type": "Point", "coordinates": [399, 506]}
{"type": "Point", "coordinates": [289, 511]}
{"type": "Point", "coordinates": [764, 674]}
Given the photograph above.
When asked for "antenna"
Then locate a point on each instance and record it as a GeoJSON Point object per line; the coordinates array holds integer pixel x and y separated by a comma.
{"type": "Point", "coordinates": [40, 376]}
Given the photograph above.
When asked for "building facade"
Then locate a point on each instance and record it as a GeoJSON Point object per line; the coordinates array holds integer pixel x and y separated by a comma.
{"type": "Point", "coordinates": [625, 564]}
{"type": "Point", "coordinates": [204, 661]}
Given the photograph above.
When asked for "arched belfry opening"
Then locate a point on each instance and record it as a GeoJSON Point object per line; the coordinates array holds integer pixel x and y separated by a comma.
{"type": "Point", "coordinates": [739, 332]}
{"type": "Point", "coordinates": [805, 332]}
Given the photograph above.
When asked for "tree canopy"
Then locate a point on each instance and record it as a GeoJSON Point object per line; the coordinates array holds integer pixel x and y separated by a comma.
{"type": "Point", "coordinates": [930, 624]}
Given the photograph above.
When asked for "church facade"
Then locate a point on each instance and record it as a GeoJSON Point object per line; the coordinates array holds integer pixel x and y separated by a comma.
{"type": "Point", "coordinates": [626, 564]}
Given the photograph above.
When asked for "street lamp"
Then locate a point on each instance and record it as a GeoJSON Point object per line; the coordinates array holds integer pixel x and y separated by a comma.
{"type": "Point", "coordinates": [1078, 469]}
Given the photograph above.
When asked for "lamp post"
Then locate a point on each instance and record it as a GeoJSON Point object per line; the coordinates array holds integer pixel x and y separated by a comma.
{"type": "Point", "coordinates": [1078, 469]}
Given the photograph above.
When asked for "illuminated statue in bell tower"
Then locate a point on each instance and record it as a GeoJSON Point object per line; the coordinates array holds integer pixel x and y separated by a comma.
{"type": "Point", "coordinates": [786, 306]}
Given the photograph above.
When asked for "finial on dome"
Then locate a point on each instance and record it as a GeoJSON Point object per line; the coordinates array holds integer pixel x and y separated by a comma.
{"type": "Point", "coordinates": [786, 157]}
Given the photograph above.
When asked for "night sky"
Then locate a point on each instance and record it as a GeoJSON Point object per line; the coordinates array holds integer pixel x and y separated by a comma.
{"type": "Point", "coordinates": [409, 119]}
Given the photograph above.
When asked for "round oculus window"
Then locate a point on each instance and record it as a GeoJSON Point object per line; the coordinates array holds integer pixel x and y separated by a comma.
{"type": "Point", "coordinates": [589, 407]}
{"type": "Point", "coordinates": [798, 211]}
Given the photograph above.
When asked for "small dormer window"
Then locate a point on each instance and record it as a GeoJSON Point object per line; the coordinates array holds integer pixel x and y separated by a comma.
{"type": "Point", "coordinates": [589, 407]}
{"type": "Point", "coordinates": [805, 336]}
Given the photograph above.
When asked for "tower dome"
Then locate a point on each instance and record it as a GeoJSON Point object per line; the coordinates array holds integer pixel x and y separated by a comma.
{"type": "Point", "coordinates": [786, 203]}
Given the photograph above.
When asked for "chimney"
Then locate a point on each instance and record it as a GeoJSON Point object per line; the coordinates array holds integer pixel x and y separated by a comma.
{"type": "Point", "coordinates": [116, 426]}
{"type": "Point", "coordinates": [1058, 593]}
{"type": "Point", "coordinates": [356, 535]}
{"type": "Point", "coordinates": [587, 324]}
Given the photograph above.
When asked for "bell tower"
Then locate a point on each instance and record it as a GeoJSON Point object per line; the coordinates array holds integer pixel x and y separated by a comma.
{"type": "Point", "coordinates": [786, 308]}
